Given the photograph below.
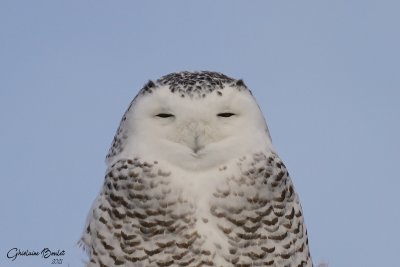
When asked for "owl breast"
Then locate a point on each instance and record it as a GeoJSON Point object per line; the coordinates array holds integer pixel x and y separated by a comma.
{"type": "Point", "coordinates": [240, 214]}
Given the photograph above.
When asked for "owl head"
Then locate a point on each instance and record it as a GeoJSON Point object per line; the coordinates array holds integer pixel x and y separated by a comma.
{"type": "Point", "coordinates": [192, 120]}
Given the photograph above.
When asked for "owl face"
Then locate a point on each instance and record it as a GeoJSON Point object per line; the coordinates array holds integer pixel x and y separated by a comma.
{"type": "Point", "coordinates": [196, 133]}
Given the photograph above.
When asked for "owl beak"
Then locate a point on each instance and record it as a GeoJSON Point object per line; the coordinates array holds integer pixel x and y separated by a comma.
{"type": "Point", "coordinates": [194, 136]}
{"type": "Point", "coordinates": [196, 145]}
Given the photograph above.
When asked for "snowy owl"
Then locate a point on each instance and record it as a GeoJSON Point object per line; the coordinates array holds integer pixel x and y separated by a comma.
{"type": "Point", "coordinates": [193, 180]}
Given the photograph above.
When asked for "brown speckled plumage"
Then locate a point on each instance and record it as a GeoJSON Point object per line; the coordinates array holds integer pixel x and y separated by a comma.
{"type": "Point", "coordinates": [149, 222]}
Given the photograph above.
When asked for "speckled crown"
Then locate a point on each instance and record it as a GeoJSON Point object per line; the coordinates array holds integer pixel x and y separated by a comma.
{"type": "Point", "coordinates": [194, 84]}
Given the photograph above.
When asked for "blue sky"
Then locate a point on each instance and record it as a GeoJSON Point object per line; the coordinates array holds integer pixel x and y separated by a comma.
{"type": "Point", "coordinates": [325, 73]}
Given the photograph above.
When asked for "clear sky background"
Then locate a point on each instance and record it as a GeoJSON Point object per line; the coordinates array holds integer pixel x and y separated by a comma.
{"type": "Point", "coordinates": [325, 73]}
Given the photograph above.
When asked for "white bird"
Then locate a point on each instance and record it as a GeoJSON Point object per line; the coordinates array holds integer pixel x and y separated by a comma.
{"type": "Point", "coordinates": [193, 180]}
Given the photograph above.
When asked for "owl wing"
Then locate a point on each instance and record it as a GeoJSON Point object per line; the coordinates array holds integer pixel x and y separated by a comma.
{"type": "Point", "coordinates": [261, 216]}
{"type": "Point", "coordinates": [139, 220]}
{"type": "Point", "coordinates": [110, 235]}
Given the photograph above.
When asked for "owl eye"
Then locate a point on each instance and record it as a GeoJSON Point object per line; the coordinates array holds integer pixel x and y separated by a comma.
{"type": "Point", "coordinates": [226, 114]}
{"type": "Point", "coordinates": [164, 115]}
